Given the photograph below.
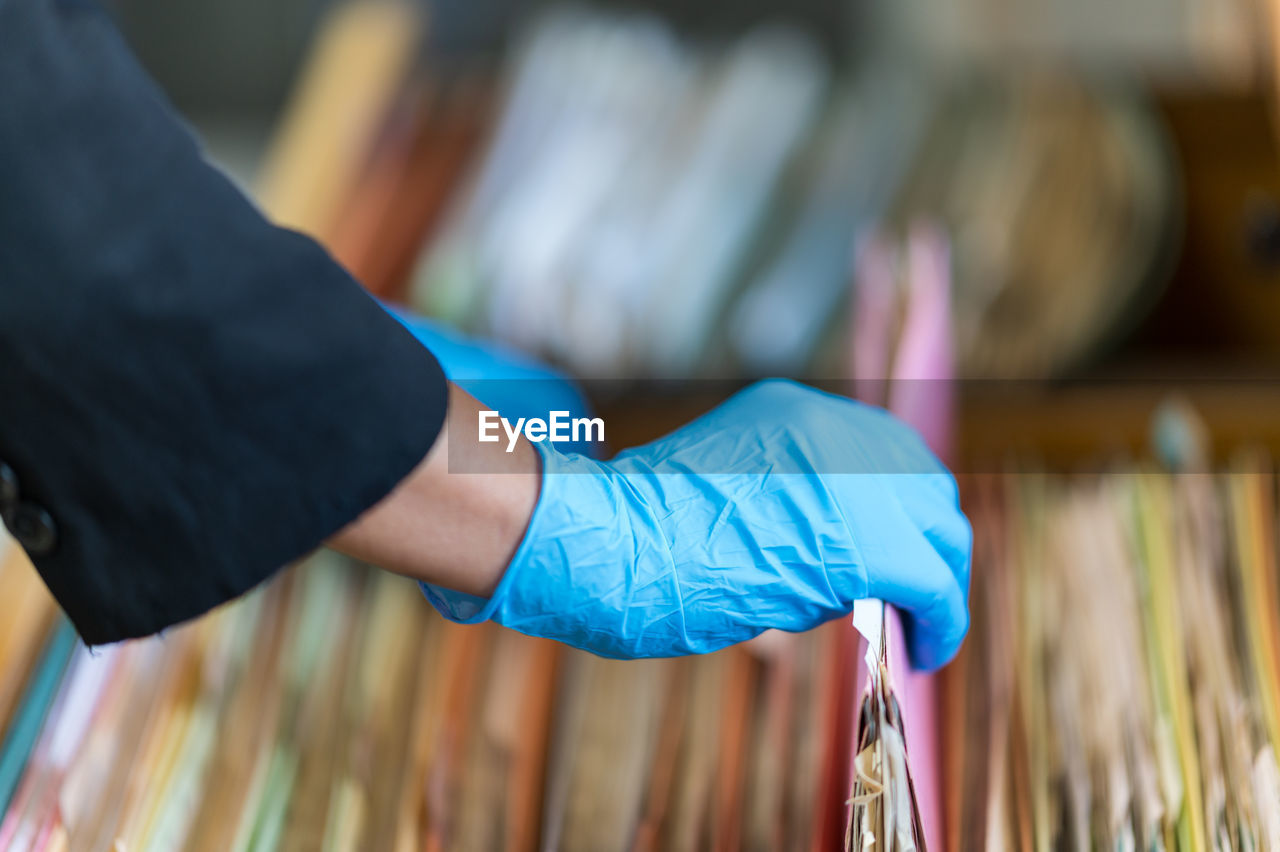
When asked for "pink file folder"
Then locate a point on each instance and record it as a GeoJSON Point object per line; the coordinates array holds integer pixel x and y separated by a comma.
{"type": "Point", "coordinates": [902, 359]}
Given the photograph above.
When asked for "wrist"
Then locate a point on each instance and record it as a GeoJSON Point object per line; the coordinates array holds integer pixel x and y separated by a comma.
{"type": "Point", "coordinates": [448, 527]}
{"type": "Point", "coordinates": [579, 601]}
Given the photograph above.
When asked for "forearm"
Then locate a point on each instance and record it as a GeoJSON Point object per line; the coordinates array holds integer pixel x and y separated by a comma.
{"type": "Point", "coordinates": [455, 528]}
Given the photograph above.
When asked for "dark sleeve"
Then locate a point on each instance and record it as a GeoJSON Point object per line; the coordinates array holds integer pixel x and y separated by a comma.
{"type": "Point", "coordinates": [190, 398]}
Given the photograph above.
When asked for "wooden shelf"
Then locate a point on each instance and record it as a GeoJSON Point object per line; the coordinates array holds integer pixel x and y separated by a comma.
{"type": "Point", "coordinates": [1060, 426]}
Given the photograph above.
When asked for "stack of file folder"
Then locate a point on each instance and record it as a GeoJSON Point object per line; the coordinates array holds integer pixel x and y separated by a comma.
{"type": "Point", "coordinates": [1119, 689]}
{"type": "Point", "coordinates": [333, 710]}
{"type": "Point", "coordinates": [632, 203]}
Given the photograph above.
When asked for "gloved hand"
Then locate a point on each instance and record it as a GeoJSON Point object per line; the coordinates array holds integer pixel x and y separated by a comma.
{"type": "Point", "coordinates": [501, 377]}
{"type": "Point", "coordinates": [778, 509]}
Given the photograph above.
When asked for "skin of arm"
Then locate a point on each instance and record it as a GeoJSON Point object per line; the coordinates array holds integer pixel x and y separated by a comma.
{"type": "Point", "coordinates": [452, 529]}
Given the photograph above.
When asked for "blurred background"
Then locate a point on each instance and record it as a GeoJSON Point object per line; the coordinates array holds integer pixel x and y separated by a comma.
{"type": "Point", "coordinates": [677, 190]}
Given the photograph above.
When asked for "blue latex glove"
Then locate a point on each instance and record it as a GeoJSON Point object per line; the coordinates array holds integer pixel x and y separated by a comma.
{"type": "Point", "coordinates": [501, 377]}
{"type": "Point", "coordinates": [778, 509]}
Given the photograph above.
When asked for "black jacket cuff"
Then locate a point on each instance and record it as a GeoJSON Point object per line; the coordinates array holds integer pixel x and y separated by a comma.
{"type": "Point", "coordinates": [190, 397]}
